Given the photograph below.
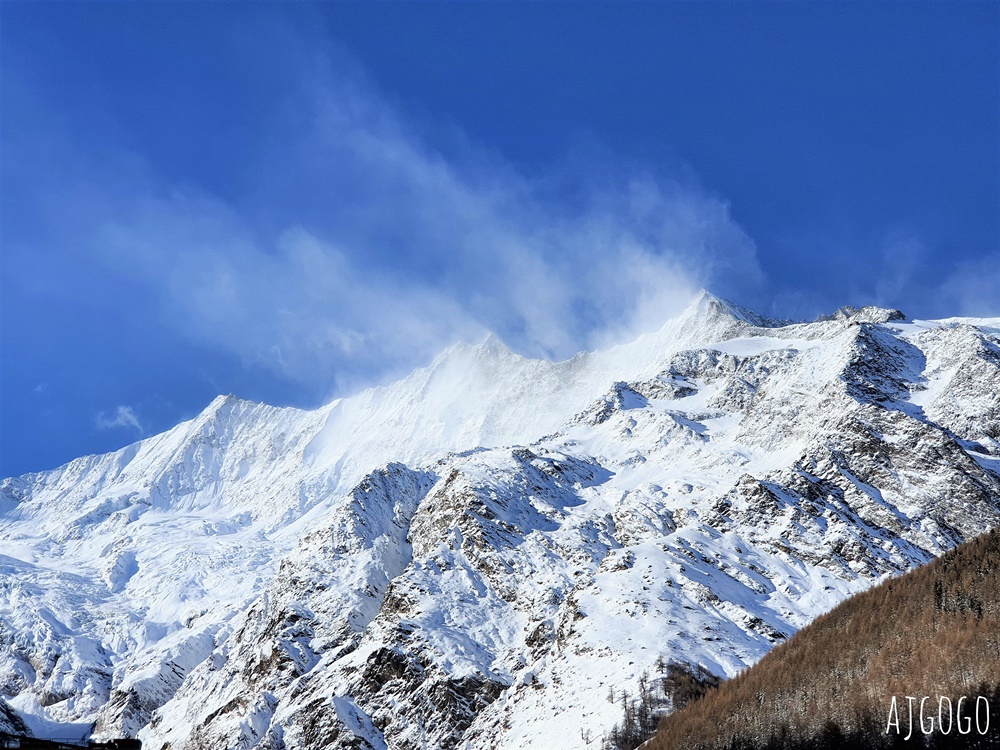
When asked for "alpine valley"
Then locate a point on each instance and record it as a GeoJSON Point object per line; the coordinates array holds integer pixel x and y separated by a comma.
{"type": "Point", "coordinates": [476, 555]}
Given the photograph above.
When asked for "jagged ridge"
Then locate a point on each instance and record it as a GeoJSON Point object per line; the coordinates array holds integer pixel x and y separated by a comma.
{"type": "Point", "coordinates": [470, 556]}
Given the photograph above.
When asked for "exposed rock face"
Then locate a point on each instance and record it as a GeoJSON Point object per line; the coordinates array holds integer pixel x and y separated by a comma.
{"type": "Point", "coordinates": [471, 557]}
{"type": "Point", "coordinates": [933, 631]}
{"type": "Point", "coordinates": [10, 722]}
{"type": "Point", "coordinates": [867, 314]}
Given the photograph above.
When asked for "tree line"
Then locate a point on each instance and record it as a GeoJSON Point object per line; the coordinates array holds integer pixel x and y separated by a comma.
{"type": "Point", "coordinates": [934, 632]}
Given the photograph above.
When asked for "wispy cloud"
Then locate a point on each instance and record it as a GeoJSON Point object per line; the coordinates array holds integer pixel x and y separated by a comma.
{"type": "Point", "coordinates": [974, 288]}
{"type": "Point", "coordinates": [365, 250]}
{"type": "Point", "coordinates": [416, 251]}
{"type": "Point", "coordinates": [898, 278]}
{"type": "Point", "coordinates": [122, 417]}
{"type": "Point", "coordinates": [969, 288]}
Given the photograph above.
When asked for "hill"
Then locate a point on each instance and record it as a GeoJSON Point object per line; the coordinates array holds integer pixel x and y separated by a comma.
{"type": "Point", "coordinates": [844, 681]}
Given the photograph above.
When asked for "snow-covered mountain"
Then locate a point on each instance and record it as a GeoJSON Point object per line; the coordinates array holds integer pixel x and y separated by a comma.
{"type": "Point", "coordinates": [472, 556]}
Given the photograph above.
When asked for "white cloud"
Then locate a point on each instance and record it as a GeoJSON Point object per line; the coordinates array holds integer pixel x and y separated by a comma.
{"type": "Point", "coordinates": [123, 416]}
{"type": "Point", "coordinates": [385, 250]}
{"type": "Point", "coordinates": [903, 255]}
{"type": "Point", "coordinates": [968, 289]}
{"type": "Point", "coordinates": [974, 288]}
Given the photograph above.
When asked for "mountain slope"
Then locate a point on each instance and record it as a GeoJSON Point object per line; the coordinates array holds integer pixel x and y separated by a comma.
{"type": "Point", "coordinates": [839, 675]}
{"type": "Point", "coordinates": [472, 555]}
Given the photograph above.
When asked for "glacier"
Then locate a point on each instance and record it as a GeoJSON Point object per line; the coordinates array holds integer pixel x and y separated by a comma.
{"type": "Point", "coordinates": [472, 556]}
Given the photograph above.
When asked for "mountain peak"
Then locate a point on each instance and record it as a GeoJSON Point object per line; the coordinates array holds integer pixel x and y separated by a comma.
{"type": "Point", "coordinates": [283, 556]}
{"type": "Point", "coordinates": [709, 307]}
{"type": "Point", "coordinates": [223, 400]}
{"type": "Point", "coordinates": [866, 314]}
{"type": "Point", "coordinates": [492, 345]}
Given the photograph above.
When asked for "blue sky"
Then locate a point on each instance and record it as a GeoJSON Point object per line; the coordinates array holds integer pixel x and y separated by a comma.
{"type": "Point", "coordinates": [291, 201]}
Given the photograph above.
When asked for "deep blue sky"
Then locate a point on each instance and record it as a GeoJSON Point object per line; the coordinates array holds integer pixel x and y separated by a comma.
{"type": "Point", "coordinates": [290, 201]}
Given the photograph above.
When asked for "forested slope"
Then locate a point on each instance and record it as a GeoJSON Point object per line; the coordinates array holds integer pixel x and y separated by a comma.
{"type": "Point", "coordinates": [933, 632]}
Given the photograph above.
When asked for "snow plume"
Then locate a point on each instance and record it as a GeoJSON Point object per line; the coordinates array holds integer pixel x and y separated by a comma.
{"type": "Point", "coordinates": [903, 253]}
{"type": "Point", "coordinates": [974, 288]}
{"type": "Point", "coordinates": [969, 288]}
{"type": "Point", "coordinates": [363, 249]}
{"type": "Point", "coordinates": [123, 416]}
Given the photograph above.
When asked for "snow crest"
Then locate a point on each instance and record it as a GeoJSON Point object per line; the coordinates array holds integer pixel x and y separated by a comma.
{"type": "Point", "coordinates": [472, 556]}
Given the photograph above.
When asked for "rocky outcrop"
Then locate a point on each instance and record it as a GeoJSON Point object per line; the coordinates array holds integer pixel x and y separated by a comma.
{"type": "Point", "coordinates": [380, 574]}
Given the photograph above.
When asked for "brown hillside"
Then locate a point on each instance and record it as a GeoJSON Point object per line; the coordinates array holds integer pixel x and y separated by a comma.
{"type": "Point", "coordinates": [933, 632]}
